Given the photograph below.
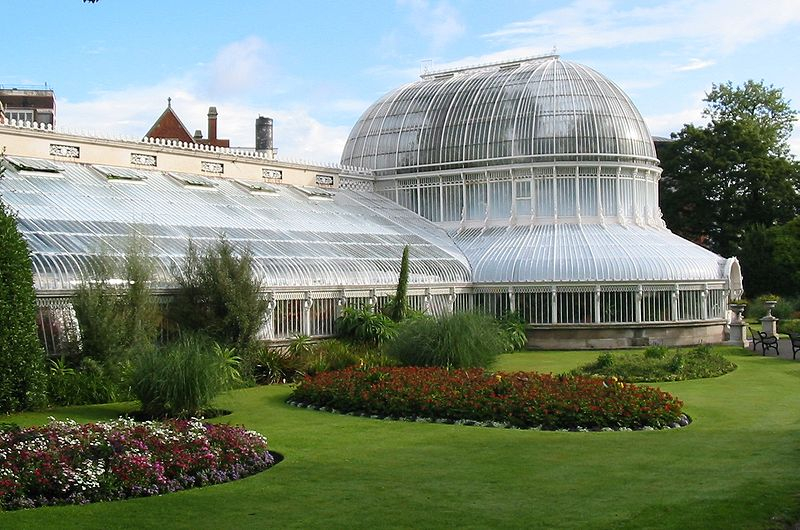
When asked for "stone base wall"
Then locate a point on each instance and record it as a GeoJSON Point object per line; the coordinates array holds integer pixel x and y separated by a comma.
{"type": "Point", "coordinates": [585, 337]}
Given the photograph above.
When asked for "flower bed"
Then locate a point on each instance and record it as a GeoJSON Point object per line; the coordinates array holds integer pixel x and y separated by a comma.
{"type": "Point", "coordinates": [67, 463]}
{"type": "Point", "coordinates": [523, 399]}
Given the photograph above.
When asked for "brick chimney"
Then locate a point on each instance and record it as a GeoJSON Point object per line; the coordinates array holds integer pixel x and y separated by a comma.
{"type": "Point", "coordinates": [212, 125]}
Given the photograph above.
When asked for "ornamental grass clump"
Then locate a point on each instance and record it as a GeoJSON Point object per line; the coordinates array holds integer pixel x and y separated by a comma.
{"type": "Point", "coordinates": [182, 379]}
{"type": "Point", "coordinates": [68, 463]}
{"type": "Point", "coordinates": [460, 340]}
{"type": "Point", "coordinates": [522, 399]}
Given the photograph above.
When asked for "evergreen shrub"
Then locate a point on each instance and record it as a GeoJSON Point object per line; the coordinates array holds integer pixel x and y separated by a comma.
{"type": "Point", "coordinates": [22, 375]}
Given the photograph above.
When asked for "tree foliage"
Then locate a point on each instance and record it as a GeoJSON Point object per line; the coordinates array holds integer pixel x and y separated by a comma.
{"type": "Point", "coordinates": [116, 310]}
{"type": "Point", "coordinates": [219, 294]}
{"type": "Point", "coordinates": [734, 172]}
{"type": "Point", "coordinates": [22, 381]}
{"type": "Point", "coordinates": [771, 258]}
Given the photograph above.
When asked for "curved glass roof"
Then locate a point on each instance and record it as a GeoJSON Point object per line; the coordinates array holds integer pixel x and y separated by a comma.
{"type": "Point", "coordinates": [537, 109]}
{"type": "Point", "coordinates": [586, 253]}
{"type": "Point", "coordinates": [299, 236]}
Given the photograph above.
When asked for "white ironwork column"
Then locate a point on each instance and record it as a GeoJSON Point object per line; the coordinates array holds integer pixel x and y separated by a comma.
{"type": "Point", "coordinates": [554, 306]}
{"type": "Point", "coordinates": [307, 303]}
{"type": "Point", "coordinates": [674, 305]}
{"type": "Point", "coordinates": [638, 306]}
{"type": "Point", "coordinates": [597, 304]}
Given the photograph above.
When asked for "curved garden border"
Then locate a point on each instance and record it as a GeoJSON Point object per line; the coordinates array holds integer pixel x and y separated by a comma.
{"type": "Point", "coordinates": [525, 400]}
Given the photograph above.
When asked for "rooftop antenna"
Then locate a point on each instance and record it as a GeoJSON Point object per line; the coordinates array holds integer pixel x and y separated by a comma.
{"type": "Point", "coordinates": [426, 65]}
{"type": "Point", "coordinates": [555, 49]}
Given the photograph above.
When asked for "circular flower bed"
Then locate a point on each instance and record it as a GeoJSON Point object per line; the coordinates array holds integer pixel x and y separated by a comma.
{"type": "Point", "coordinates": [522, 400]}
{"type": "Point", "coordinates": [68, 463]}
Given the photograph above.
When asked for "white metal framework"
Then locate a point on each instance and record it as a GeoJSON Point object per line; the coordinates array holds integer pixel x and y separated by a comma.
{"type": "Point", "coordinates": [545, 175]}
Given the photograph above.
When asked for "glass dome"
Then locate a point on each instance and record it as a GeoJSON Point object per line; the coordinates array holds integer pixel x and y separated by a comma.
{"type": "Point", "coordinates": [541, 109]}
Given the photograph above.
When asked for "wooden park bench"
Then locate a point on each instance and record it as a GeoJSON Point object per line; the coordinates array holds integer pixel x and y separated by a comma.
{"type": "Point", "coordinates": [766, 342]}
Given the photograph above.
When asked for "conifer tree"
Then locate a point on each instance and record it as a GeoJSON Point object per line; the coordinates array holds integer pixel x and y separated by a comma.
{"type": "Point", "coordinates": [22, 379]}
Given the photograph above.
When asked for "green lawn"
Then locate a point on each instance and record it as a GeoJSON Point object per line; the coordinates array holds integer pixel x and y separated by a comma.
{"type": "Point", "coordinates": [736, 466]}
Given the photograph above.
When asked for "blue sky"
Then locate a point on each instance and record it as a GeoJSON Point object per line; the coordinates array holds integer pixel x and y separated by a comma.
{"type": "Point", "coordinates": [315, 66]}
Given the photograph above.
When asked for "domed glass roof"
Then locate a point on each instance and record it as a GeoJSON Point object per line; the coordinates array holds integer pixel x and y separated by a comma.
{"type": "Point", "coordinates": [537, 109]}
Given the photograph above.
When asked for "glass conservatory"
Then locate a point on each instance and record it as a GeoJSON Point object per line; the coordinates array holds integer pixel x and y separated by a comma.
{"type": "Point", "coordinates": [545, 176]}
{"type": "Point", "coordinates": [314, 249]}
{"type": "Point", "coordinates": [527, 186]}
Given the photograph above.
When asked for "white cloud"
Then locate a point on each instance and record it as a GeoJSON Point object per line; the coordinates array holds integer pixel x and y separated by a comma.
{"type": "Point", "coordinates": [439, 22]}
{"type": "Point", "coordinates": [664, 124]}
{"type": "Point", "coordinates": [239, 67]}
{"type": "Point", "coordinates": [694, 64]}
{"type": "Point", "coordinates": [720, 25]}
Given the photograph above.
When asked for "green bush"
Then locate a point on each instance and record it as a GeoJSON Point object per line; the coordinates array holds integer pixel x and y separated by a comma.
{"type": "Point", "coordinates": [604, 361]}
{"type": "Point", "coordinates": [656, 352]}
{"type": "Point", "coordinates": [88, 383]}
{"type": "Point", "coordinates": [219, 295]}
{"type": "Point", "coordinates": [514, 331]}
{"type": "Point", "coordinates": [789, 326]}
{"type": "Point", "coordinates": [22, 370]}
{"type": "Point", "coordinates": [115, 319]}
{"type": "Point", "coordinates": [183, 378]}
{"type": "Point", "coordinates": [695, 363]}
{"type": "Point", "coordinates": [460, 340]}
{"type": "Point", "coordinates": [365, 325]}
{"type": "Point", "coordinates": [265, 366]}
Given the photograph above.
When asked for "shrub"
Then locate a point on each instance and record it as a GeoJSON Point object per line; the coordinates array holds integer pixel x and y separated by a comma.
{"type": "Point", "coordinates": [22, 371]}
{"type": "Point", "coordinates": [114, 319]}
{"type": "Point", "coordinates": [301, 346]}
{"type": "Point", "coordinates": [527, 400]}
{"type": "Point", "coordinates": [695, 363]}
{"type": "Point", "coordinates": [182, 379]}
{"type": "Point", "coordinates": [67, 463]}
{"type": "Point", "coordinates": [605, 360]}
{"type": "Point", "coordinates": [514, 331]}
{"type": "Point", "coordinates": [789, 326]}
{"type": "Point", "coordinates": [266, 366]}
{"type": "Point", "coordinates": [87, 383]}
{"type": "Point", "coordinates": [334, 354]}
{"type": "Point", "coordinates": [219, 295]}
{"type": "Point", "coordinates": [460, 340]}
{"type": "Point", "coordinates": [656, 352]}
{"type": "Point", "coordinates": [365, 325]}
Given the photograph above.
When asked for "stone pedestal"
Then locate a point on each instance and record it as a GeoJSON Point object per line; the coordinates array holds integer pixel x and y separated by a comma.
{"type": "Point", "coordinates": [737, 329]}
{"type": "Point", "coordinates": [769, 324]}
{"type": "Point", "coordinates": [738, 335]}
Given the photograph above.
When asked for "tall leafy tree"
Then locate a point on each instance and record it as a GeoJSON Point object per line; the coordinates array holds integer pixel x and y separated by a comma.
{"type": "Point", "coordinates": [733, 173]}
{"type": "Point", "coordinates": [22, 380]}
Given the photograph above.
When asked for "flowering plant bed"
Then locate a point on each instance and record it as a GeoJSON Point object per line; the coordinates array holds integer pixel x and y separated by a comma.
{"type": "Point", "coordinates": [68, 463]}
{"type": "Point", "coordinates": [522, 399]}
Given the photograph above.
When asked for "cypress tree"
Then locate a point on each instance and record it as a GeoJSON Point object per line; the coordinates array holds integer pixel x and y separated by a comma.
{"type": "Point", "coordinates": [22, 378]}
{"type": "Point", "coordinates": [398, 307]}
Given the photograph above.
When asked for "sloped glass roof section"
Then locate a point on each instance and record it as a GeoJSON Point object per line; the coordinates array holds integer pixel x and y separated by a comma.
{"type": "Point", "coordinates": [350, 239]}
{"type": "Point", "coordinates": [591, 253]}
{"type": "Point", "coordinates": [541, 109]}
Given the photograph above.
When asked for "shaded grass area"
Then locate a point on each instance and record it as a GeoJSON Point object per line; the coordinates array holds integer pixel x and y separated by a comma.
{"type": "Point", "coordinates": [736, 466]}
